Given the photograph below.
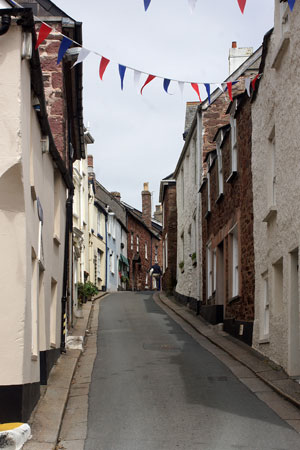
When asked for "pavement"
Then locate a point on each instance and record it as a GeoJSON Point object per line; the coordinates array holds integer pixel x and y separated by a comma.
{"type": "Point", "coordinates": [47, 417]}
{"type": "Point", "coordinates": [52, 421]}
{"type": "Point", "coordinates": [267, 371]}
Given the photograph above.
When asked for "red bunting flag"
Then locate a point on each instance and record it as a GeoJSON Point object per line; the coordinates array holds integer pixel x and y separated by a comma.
{"type": "Point", "coordinates": [45, 30]}
{"type": "Point", "coordinates": [242, 4]}
{"type": "Point", "coordinates": [103, 64]}
{"type": "Point", "coordinates": [254, 81]}
{"type": "Point", "coordinates": [229, 87]}
{"type": "Point", "coordinates": [196, 88]}
{"type": "Point", "coordinates": [150, 78]}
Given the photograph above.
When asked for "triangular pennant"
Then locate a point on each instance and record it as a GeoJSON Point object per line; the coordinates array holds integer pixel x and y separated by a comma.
{"type": "Point", "coordinates": [103, 64]}
{"type": "Point", "coordinates": [150, 78]}
{"type": "Point", "coordinates": [166, 84]}
{"type": "Point", "coordinates": [146, 4]}
{"type": "Point", "coordinates": [45, 30]}
{"type": "Point", "coordinates": [196, 88]}
{"type": "Point", "coordinates": [254, 81]}
{"type": "Point", "coordinates": [83, 54]}
{"type": "Point", "coordinates": [242, 4]}
{"type": "Point", "coordinates": [137, 77]}
{"type": "Point", "coordinates": [122, 70]}
{"type": "Point", "coordinates": [220, 86]}
{"type": "Point", "coordinates": [181, 86]}
{"type": "Point", "coordinates": [207, 87]}
{"type": "Point", "coordinates": [65, 44]}
{"type": "Point", "coordinates": [192, 5]}
{"type": "Point", "coordinates": [247, 85]}
{"type": "Point", "coordinates": [291, 4]}
{"type": "Point", "coordinates": [229, 87]}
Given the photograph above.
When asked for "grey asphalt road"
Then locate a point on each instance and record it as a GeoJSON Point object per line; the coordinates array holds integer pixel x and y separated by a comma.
{"type": "Point", "coordinates": [155, 388]}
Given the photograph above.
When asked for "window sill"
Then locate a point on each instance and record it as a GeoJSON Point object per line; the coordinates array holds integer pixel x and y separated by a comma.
{"type": "Point", "coordinates": [265, 340]}
{"type": "Point", "coordinates": [34, 358]}
{"type": "Point", "coordinates": [220, 198]}
{"type": "Point", "coordinates": [99, 236]}
{"type": "Point", "coordinates": [207, 214]}
{"type": "Point", "coordinates": [75, 215]}
{"type": "Point", "coordinates": [232, 177]}
{"type": "Point", "coordinates": [56, 240]}
{"type": "Point", "coordinates": [271, 214]}
{"type": "Point", "coordinates": [234, 299]}
{"type": "Point", "coordinates": [281, 50]}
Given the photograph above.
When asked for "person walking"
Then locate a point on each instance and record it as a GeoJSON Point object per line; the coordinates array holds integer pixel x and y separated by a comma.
{"type": "Point", "coordinates": [156, 272]}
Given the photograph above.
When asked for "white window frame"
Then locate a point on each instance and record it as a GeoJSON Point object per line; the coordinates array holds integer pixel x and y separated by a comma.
{"type": "Point", "coordinates": [266, 307]}
{"type": "Point", "coordinates": [233, 142]}
{"type": "Point", "coordinates": [209, 270]}
{"type": "Point", "coordinates": [98, 222]}
{"type": "Point", "coordinates": [137, 244]}
{"type": "Point", "coordinates": [214, 253]}
{"type": "Point", "coordinates": [112, 262]}
{"type": "Point", "coordinates": [220, 165]}
{"type": "Point", "coordinates": [147, 279]}
{"type": "Point", "coordinates": [273, 171]}
{"type": "Point", "coordinates": [208, 193]}
{"type": "Point", "coordinates": [98, 264]}
{"type": "Point", "coordinates": [131, 240]}
{"type": "Point", "coordinates": [146, 250]}
{"type": "Point", "coordinates": [156, 254]}
{"type": "Point", "coordinates": [235, 262]}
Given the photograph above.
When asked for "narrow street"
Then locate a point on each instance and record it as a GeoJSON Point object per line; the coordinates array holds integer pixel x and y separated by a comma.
{"type": "Point", "coordinates": [154, 387]}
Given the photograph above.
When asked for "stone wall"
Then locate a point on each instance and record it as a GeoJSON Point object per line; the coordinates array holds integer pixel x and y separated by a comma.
{"type": "Point", "coordinates": [170, 230]}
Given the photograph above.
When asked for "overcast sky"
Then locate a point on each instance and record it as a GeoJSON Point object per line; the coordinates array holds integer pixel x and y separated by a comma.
{"type": "Point", "coordinates": [139, 138]}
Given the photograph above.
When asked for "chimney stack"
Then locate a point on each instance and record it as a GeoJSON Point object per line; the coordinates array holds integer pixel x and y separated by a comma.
{"type": "Point", "coordinates": [116, 195]}
{"type": "Point", "coordinates": [91, 173]}
{"type": "Point", "coordinates": [146, 205]}
{"type": "Point", "coordinates": [158, 214]}
{"type": "Point", "coordinates": [237, 56]}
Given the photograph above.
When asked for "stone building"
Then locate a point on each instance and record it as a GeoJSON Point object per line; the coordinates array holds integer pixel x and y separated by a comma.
{"type": "Point", "coordinates": [276, 178]}
{"type": "Point", "coordinates": [144, 243]}
{"type": "Point", "coordinates": [34, 182]}
{"type": "Point", "coordinates": [167, 197]}
{"type": "Point", "coordinates": [190, 170]}
{"type": "Point", "coordinates": [227, 226]}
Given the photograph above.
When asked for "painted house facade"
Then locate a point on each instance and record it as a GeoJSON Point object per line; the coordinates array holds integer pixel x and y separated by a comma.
{"type": "Point", "coordinates": [167, 197]}
{"type": "Point", "coordinates": [227, 226]}
{"type": "Point", "coordinates": [144, 247]}
{"type": "Point", "coordinates": [275, 165]}
{"type": "Point", "coordinates": [33, 191]}
{"type": "Point", "coordinates": [189, 174]}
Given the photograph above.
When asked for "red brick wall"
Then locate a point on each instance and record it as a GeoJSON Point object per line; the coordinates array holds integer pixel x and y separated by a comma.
{"type": "Point", "coordinates": [235, 207]}
{"type": "Point", "coordinates": [138, 275]}
{"type": "Point", "coordinates": [170, 228]}
{"type": "Point", "coordinates": [54, 89]}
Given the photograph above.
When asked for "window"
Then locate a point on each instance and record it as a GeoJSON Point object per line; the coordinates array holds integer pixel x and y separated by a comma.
{"type": "Point", "coordinates": [156, 254]}
{"type": "Point", "coordinates": [220, 166]}
{"type": "Point", "coordinates": [272, 179]}
{"type": "Point", "coordinates": [57, 204]}
{"type": "Point", "coordinates": [98, 264]}
{"type": "Point", "coordinates": [146, 250]}
{"type": "Point", "coordinates": [147, 279]}
{"type": "Point", "coordinates": [214, 287]}
{"type": "Point", "coordinates": [278, 287]}
{"type": "Point", "coordinates": [208, 193]}
{"type": "Point", "coordinates": [54, 303]}
{"type": "Point", "coordinates": [209, 270]}
{"type": "Point", "coordinates": [165, 253]}
{"type": "Point", "coordinates": [233, 143]}
{"type": "Point", "coordinates": [98, 222]}
{"type": "Point", "coordinates": [235, 262]}
{"type": "Point", "coordinates": [131, 241]}
{"type": "Point", "coordinates": [112, 262]}
{"type": "Point", "coordinates": [137, 244]}
{"type": "Point", "coordinates": [266, 307]}
{"type": "Point", "coordinates": [109, 224]}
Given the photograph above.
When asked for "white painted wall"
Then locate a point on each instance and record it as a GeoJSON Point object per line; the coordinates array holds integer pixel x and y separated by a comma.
{"type": "Point", "coordinates": [276, 111]}
{"type": "Point", "coordinates": [29, 323]}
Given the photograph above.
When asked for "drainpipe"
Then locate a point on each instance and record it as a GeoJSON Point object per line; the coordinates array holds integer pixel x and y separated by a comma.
{"type": "Point", "coordinates": [65, 276]}
{"type": "Point", "coordinates": [5, 24]}
{"type": "Point", "coordinates": [106, 251]}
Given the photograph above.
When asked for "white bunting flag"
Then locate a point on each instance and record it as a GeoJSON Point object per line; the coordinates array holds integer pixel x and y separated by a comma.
{"type": "Point", "coordinates": [181, 86]}
{"type": "Point", "coordinates": [220, 86]}
{"type": "Point", "coordinates": [137, 77]}
{"type": "Point", "coordinates": [247, 85]}
{"type": "Point", "coordinates": [192, 4]}
{"type": "Point", "coordinates": [83, 54]}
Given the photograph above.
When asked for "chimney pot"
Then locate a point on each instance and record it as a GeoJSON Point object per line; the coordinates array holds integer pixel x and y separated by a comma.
{"type": "Point", "coordinates": [146, 186]}
{"type": "Point", "coordinates": [234, 44]}
{"type": "Point", "coordinates": [116, 195]}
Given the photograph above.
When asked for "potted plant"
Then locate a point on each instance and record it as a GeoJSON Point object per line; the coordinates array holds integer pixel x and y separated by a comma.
{"type": "Point", "coordinates": [86, 291]}
{"type": "Point", "coordinates": [181, 266]}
